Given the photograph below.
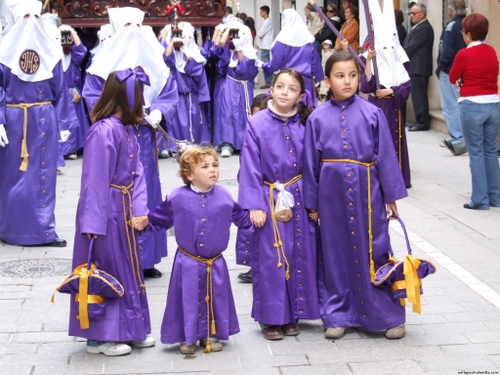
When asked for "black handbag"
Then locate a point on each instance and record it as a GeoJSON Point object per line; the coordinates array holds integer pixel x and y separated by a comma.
{"type": "Point", "coordinates": [405, 276]}
{"type": "Point", "coordinates": [90, 287]}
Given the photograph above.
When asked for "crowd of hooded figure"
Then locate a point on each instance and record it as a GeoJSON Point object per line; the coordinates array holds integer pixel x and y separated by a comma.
{"type": "Point", "coordinates": [316, 185]}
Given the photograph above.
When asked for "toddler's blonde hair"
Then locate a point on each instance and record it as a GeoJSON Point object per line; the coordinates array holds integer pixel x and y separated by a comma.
{"type": "Point", "coordinates": [191, 158]}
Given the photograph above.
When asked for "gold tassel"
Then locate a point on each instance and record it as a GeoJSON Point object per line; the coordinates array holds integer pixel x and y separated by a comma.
{"type": "Point", "coordinates": [24, 155]}
{"type": "Point", "coordinates": [213, 327]}
{"type": "Point", "coordinates": [208, 348]}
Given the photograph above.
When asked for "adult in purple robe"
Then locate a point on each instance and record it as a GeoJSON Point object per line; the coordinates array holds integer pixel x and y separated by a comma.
{"type": "Point", "coordinates": [294, 47]}
{"type": "Point", "coordinates": [153, 247]}
{"type": "Point", "coordinates": [111, 151]}
{"type": "Point", "coordinates": [201, 221]}
{"type": "Point", "coordinates": [339, 136]}
{"type": "Point", "coordinates": [272, 151]}
{"type": "Point", "coordinates": [234, 94]}
{"type": "Point", "coordinates": [33, 106]}
{"type": "Point", "coordinates": [394, 110]}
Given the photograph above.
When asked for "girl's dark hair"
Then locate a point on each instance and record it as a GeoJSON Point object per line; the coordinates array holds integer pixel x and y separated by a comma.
{"type": "Point", "coordinates": [258, 101]}
{"type": "Point", "coordinates": [114, 99]}
{"type": "Point", "coordinates": [303, 110]}
{"type": "Point", "coordinates": [339, 56]}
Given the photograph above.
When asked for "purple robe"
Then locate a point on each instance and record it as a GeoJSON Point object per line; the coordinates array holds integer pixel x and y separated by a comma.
{"type": "Point", "coordinates": [357, 130]}
{"type": "Point", "coordinates": [394, 111]}
{"type": "Point", "coordinates": [73, 77]}
{"type": "Point", "coordinates": [306, 60]}
{"type": "Point", "coordinates": [233, 98]}
{"type": "Point", "coordinates": [110, 157]}
{"type": "Point", "coordinates": [153, 247]}
{"type": "Point", "coordinates": [272, 151]}
{"type": "Point", "coordinates": [27, 199]}
{"type": "Point", "coordinates": [202, 222]}
{"type": "Point", "coordinates": [189, 121]}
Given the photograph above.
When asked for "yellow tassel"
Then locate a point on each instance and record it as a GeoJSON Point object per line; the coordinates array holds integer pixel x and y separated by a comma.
{"type": "Point", "coordinates": [287, 274]}
{"type": "Point", "coordinates": [208, 349]}
{"type": "Point", "coordinates": [213, 327]}
{"type": "Point", "coordinates": [280, 264]}
{"type": "Point", "coordinates": [24, 155]}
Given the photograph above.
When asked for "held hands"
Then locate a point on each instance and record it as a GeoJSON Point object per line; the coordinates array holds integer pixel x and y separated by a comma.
{"type": "Point", "coordinates": [313, 215]}
{"type": "Point", "coordinates": [391, 209]}
{"type": "Point", "coordinates": [258, 218]}
{"type": "Point", "coordinates": [140, 222]}
{"type": "Point", "coordinates": [3, 136]}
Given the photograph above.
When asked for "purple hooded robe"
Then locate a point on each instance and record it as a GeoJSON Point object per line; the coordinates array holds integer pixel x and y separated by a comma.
{"type": "Point", "coordinates": [272, 151]}
{"type": "Point", "coordinates": [111, 157]}
{"type": "Point", "coordinates": [356, 130]}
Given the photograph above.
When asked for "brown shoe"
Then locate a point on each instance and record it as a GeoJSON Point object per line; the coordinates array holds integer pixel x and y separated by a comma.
{"type": "Point", "coordinates": [187, 349]}
{"type": "Point", "coordinates": [397, 332]}
{"type": "Point", "coordinates": [272, 333]}
{"type": "Point", "coordinates": [215, 344]}
{"type": "Point", "coordinates": [291, 329]}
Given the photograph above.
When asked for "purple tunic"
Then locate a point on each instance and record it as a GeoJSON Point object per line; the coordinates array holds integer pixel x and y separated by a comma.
{"type": "Point", "coordinates": [111, 151]}
{"type": "Point", "coordinates": [153, 247]}
{"type": "Point", "coordinates": [189, 121]}
{"type": "Point", "coordinates": [233, 98]}
{"type": "Point", "coordinates": [394, 112]}
{"type": "Point", "coordinates": [357, 130]}
{"type": "Point", "coordinates": [306, 60]}
{"type": "Point", "coordinates": [27, 199]}
{"type": "Point", "coordinates": [272, 151]}
{"type": "Point", "coordinates": [73, 77]}
{"type": "Point", "coordinates": [201, 222]}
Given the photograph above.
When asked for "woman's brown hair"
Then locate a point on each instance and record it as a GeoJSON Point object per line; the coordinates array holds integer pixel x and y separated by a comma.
{"type": "Point", "coordinates": [113, 99]}
{"type": "Point", "coordinates": [477, 25]}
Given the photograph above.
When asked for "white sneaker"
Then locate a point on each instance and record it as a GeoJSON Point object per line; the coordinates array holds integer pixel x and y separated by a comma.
{"type": "Point", "coordinates": [164, 154]}
{"type": "Point", "coordinates": [72, 156]}
{"type": "Point", "coordinates": [149, 342]}
{"type": "Point", "coordinates": [397, 332]}
{"type": "Point", "coordinates": [442, 144]}
{"type": "Point", "coordinates": [225, 153]}
{"type": "Point", "coordinates": [110, 349]}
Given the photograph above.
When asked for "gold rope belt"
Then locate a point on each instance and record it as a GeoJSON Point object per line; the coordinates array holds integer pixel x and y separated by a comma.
{"type": "Point", "coordinates": [131, 242]}
{"type": "Point", "coordinates": [24, 146]}
{"type": "Point", "coordinates": [370, 238]}
{"type": "Point", "coordinates": [278, 243]}
{"type": "Point", "coordinates": [209, 296]}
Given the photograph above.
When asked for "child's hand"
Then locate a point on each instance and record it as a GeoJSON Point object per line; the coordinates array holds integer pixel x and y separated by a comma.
{"type": "Point", "coordinates": [258, 218]}
{"type": "Point", "coordinates": [345, 45]}
{"type": "Point", "coordinates": [382, 93]}
{"type": "Point", "coordinates": [140, 222]}
{"type": "Point", "coordinates": [391, 209]}
{"type": "Point", "coordinates": [371, 54]}
{"type": "Point", "coordinates": [314, 215]}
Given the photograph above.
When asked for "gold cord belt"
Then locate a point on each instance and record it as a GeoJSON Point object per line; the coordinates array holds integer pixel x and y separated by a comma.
{"type": "Point", "coordinates": [278, 243]}
{"type": "Point", "coordinates": [24, 146]}
{"type": "Point", "coordinates": [370, 237]}
{"type": "Point", "coordinates": [209, 296]}
{"type": "Point", "coordinates": [131, 242]}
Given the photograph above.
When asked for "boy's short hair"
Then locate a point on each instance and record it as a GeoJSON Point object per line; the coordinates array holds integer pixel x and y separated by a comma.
{"type": "Point", "coordinates": [191, 158]}
{"type": "Point", "coordinates": [266, 9]}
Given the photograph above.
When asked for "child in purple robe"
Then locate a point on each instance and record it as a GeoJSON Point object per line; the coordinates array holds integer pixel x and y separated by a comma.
{"type": "Point", "coordinates": [352, 176]}
{"type": "Point", "coordinates": [200, 304]}
{"type": "Point", "coordinates": [283, 250]}
{"type": "Point", "coordinates": [113, 192]}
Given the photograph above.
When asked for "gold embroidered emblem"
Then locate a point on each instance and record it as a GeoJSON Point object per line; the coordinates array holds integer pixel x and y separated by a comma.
{"type": "Point", "coordinates": [29, 62]}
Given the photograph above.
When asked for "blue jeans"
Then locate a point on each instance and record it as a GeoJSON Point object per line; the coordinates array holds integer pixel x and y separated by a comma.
{"type": "Point", "coordinates": [266, 56]}
{"type": "Point", "coordinates": [449, 105]}
{"type": "Point", "coordinates": [480, 123]}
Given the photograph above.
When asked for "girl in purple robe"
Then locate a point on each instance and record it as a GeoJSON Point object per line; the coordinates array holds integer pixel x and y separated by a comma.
{"type": "Point", "coordinates": [352, 176]}
{"type": "Point", "coordinates": [200, 304]}
{"type": "Point", "coordinates": [113, 191]}
{"type": "Point", "coordinates": [283, 252]}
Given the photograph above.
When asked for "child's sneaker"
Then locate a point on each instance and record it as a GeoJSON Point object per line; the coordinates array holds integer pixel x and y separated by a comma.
{"type": "Point", "coordinates": [149, 342]}
{"type": "Point", "coordinates": [187, 349]}
{"type": "Point", "coordinates": [108, 348]}
{"type": "Point", "coordinates": [215, 344]}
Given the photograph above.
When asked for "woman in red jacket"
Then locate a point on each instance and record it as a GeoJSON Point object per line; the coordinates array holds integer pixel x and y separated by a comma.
{"type": "Point", "coordinates": [475, 71]}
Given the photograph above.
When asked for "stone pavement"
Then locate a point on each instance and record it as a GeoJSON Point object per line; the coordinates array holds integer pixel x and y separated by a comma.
{"type": "Point", "coordinates": [458, 330]}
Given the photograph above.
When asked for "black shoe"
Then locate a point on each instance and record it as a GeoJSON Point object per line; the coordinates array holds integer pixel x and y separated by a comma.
{"type": "Point", "coordinates": [152, 273]}
{"type": "Point", "coordinates": [468, 206]}
{"type": "Point", "coordinates": [58, 242]}
{"type": "Point", "coordinates": [450, 147]}
{"type": "Point", "coordinates": [418, 127]}
{"type": "Point", "coordinates": [246, 277]}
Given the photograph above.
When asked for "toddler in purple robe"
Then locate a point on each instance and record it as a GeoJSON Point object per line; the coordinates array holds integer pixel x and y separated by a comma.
{"type": "Point", "coordinates": [200, 304]}
{"type": "Point", "coordinates": [283, 251]}
{"type": "Point", "coordinates": [352, 176]}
